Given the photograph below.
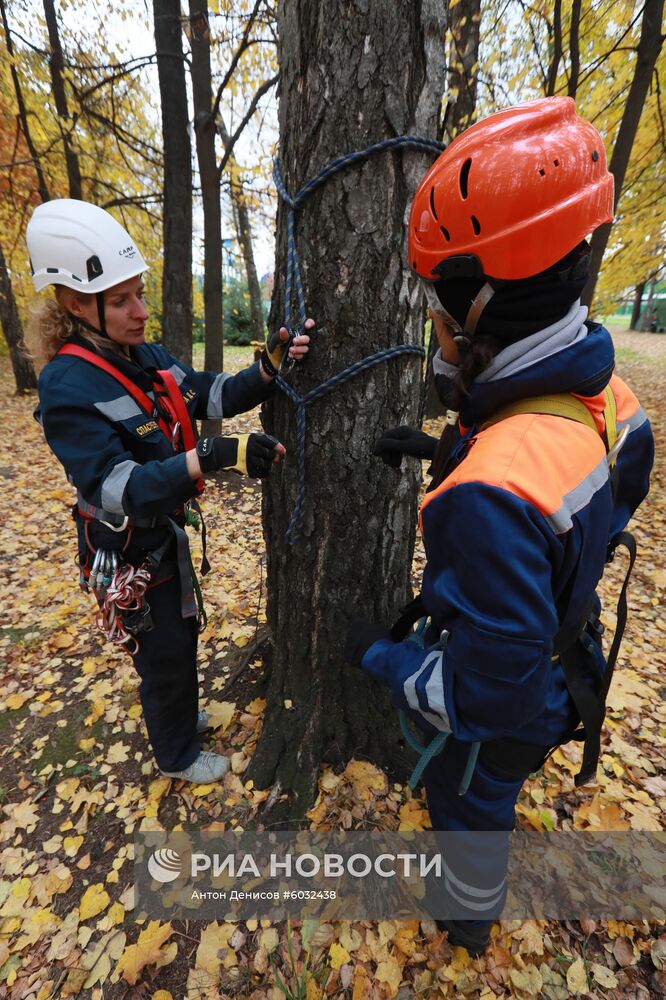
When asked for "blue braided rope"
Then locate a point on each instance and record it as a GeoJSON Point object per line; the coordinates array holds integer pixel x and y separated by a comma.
{"type": "Point", "coordinates": [293, 275]}
{"type": "Point", "coordinates": [301, 402]}
{"type": "Point", "coordinates": [293, 278]}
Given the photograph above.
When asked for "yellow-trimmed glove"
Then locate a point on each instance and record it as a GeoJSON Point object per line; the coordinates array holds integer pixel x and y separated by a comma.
{"type": "Point", "coordinates": [249, 454]}
{"type": "Point", "coordinates": [273, 352]}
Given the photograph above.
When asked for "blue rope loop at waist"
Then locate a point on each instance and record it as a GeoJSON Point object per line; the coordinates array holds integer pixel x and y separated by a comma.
{"type": "Point", "coordinates": [427, 751]}
{"type": "Point", "coordinates": [293, 279]}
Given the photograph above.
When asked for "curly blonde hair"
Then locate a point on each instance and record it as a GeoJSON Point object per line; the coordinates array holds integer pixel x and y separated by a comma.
{"type": "Point", "coordinates": [51, 326]}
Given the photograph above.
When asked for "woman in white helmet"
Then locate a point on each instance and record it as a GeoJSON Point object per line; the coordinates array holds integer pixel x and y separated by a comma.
{"type": "Point", "coordinates": [119, 415]}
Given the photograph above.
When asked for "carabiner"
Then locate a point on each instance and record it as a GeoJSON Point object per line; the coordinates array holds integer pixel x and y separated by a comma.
{"type": "Point", "coordinates": [175, 435]}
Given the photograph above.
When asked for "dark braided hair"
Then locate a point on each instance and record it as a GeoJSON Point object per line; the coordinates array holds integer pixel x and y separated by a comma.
{"type": "Point", "coordinates": [475, 358]}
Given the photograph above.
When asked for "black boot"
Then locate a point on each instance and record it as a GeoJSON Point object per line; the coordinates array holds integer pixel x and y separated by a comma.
{"type": "Point", "coordinates": [463, 934]}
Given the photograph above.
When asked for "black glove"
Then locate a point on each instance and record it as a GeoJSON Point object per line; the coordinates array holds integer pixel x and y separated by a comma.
{"type": "Point", "coordinates": [250, 454]}
{"type": "Point", "coordinates": [403, 440]}
{"type": "Point", "coordinates": [361, 635]}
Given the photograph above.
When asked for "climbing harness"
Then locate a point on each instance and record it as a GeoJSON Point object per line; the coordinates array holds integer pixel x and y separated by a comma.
{"type": "Point", "coordinates": [293, 280]}
{"type": "Point", "coordinates": [170, 414]}
{"type": "Point", "coordinates": [573, 646]}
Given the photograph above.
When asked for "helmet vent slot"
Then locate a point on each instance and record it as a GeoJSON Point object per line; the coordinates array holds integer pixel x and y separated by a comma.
{"type": "Point", "coordinates": [432, 202]}
{"type": "Point", "coordinates": [476, 225]}
{"type": "Point", "coordinates": [464, 177]}
{"type": "Point", "coordinates": [446, 234]}
{"type": "Point", "coordinates": [94, 268]}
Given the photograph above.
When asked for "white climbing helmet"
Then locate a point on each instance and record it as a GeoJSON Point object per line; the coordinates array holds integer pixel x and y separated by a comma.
{"type": "Point", "coordinates": [79, 245]}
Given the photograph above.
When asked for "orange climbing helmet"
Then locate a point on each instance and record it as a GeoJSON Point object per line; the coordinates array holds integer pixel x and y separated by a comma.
{"type": "Point", "coordinates": [512, 195]}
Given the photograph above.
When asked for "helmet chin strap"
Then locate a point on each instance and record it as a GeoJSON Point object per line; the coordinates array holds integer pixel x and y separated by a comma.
{"type": "Point", "coordinates": [101, 331]}
{"type": "Point", "coordinates": [474, 313]}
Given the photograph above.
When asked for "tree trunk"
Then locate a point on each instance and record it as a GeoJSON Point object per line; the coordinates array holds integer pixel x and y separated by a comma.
{"type": "Point", "coordinates": [649, 307]}
{"type": "Point", "coordinates": [177, 274]}
{"type": "Point", "coordinates": [465, 25]}
{"type": "Point", "coordinates": [204, 129]}
{"type": "Point", "coordinates": [24, 372]}
{"type": "Point", "coordinates": [244, 231]}
{"type": "Point", "coordinates": [649, 47]}
{"type": "Point", "coordinates": [57, 79]}
{"type": "Point", "coordinates": [556, 54]}
{"type": "Point", "coordinates": [574, 48]}
{"type": "Point", "coordinates": [354, 556]}
{"type": "Point", "coordinates": [636, 311]}
{"type": "Point", "coordinates": [22, 111]}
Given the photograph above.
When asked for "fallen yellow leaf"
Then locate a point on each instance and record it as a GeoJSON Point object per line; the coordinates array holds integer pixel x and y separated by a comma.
{"type": "Point", "coordinates": [94, 900]}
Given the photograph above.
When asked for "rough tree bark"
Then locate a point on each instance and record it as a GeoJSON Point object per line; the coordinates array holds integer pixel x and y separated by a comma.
{"type": "Point", "coordinates": [636, 310]}
{"type": "Point", "coordinates": [351, 73]}
{"type": "Point", "coordinates": [24, 372]}
{"type": "Point", "coordinates": [177, 273]}
{"type": "Point", "coordinates": [66, 122]}
{"type": "Point", "coordinates": [204, 129]}
{"type": "Point", "coordinates": [648, 49]}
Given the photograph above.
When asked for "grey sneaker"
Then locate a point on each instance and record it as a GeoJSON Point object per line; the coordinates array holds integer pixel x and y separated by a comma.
{"type": "Point", "coordinates": [203, 720]}
{"type": "Point", "coordinates": [206, 768]}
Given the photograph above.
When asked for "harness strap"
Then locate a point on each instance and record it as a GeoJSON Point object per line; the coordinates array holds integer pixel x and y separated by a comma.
{"type": "Point", "coordinates": [610, 414]}
{"type": "Point", "coordinates": [626, 539]}
{"type": "Point", "coordinates": [113, 520]}
{"type": "Point", "coordinates": [560, 404]}
{"type": "Point", "coordinates": [139, 396]}
{"type": "Point", "coordinates": [183, 420]}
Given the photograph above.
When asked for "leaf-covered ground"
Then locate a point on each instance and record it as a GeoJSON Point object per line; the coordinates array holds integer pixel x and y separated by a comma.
{"type": "Point", "coordinates": [78, 780]}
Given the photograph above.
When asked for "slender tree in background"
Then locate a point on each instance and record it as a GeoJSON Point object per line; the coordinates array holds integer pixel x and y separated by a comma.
{"type": "Point", "coordinates": [22, 110]}
{"type": "Point", "coordinates": [24, 371]}
{"type": "Point", "coordinates": [205, 132]}
{"type": "Point", "coordinates": [244, 233]}
{"type": "Point", "coordinates": [67, 121]}
{"type": "Point", "coordinates": [464, 31]}
{"type": "Point", "coordinates": [636, 309]}
{"type": "Point", "coordinates": [345, 82]}
{"type": "Point", "coordinates": [649, 306]}
{"type": "Point", "coordinates": [647, 52]}
{"type": "Point", "coordinates": [177, 271]}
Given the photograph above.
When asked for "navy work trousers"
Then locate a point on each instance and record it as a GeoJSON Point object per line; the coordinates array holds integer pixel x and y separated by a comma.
{"type": "Point", "coordinates": [474, 886]}
{"type": "Point", "coordinates": [169, 690]}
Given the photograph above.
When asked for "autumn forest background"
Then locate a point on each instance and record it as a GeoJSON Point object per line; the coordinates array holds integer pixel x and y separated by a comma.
{"type": "Point", "coordinates": [171, 117]}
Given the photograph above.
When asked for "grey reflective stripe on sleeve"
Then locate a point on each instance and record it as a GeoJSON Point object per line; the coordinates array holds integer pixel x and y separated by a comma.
{"type": "Point", "coordinates": [214, 408]}
{"type": "Point", "coordinates": [122, 408]}
{"type": "Point", "coordinates": [578, 498]}
{"type": "Point", "coordinates": [434, 691]}
{"type": "Point", "coordinates": [114, 485]}
{"type": "Point", "coordinates": [177, 373]}
{"type": "Point", "coordinates": [634, 421]}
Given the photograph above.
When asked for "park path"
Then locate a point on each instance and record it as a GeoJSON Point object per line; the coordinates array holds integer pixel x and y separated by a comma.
{"type": "Point", "coordinates": [77, 778]}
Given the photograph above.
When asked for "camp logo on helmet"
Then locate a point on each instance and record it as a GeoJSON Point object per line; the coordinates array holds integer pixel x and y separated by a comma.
{"type": "Point", "coordinates": [128, 252]}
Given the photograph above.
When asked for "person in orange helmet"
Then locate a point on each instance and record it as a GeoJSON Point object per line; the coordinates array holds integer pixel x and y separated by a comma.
{"type": "Point", "coordinates": [521, 510]}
